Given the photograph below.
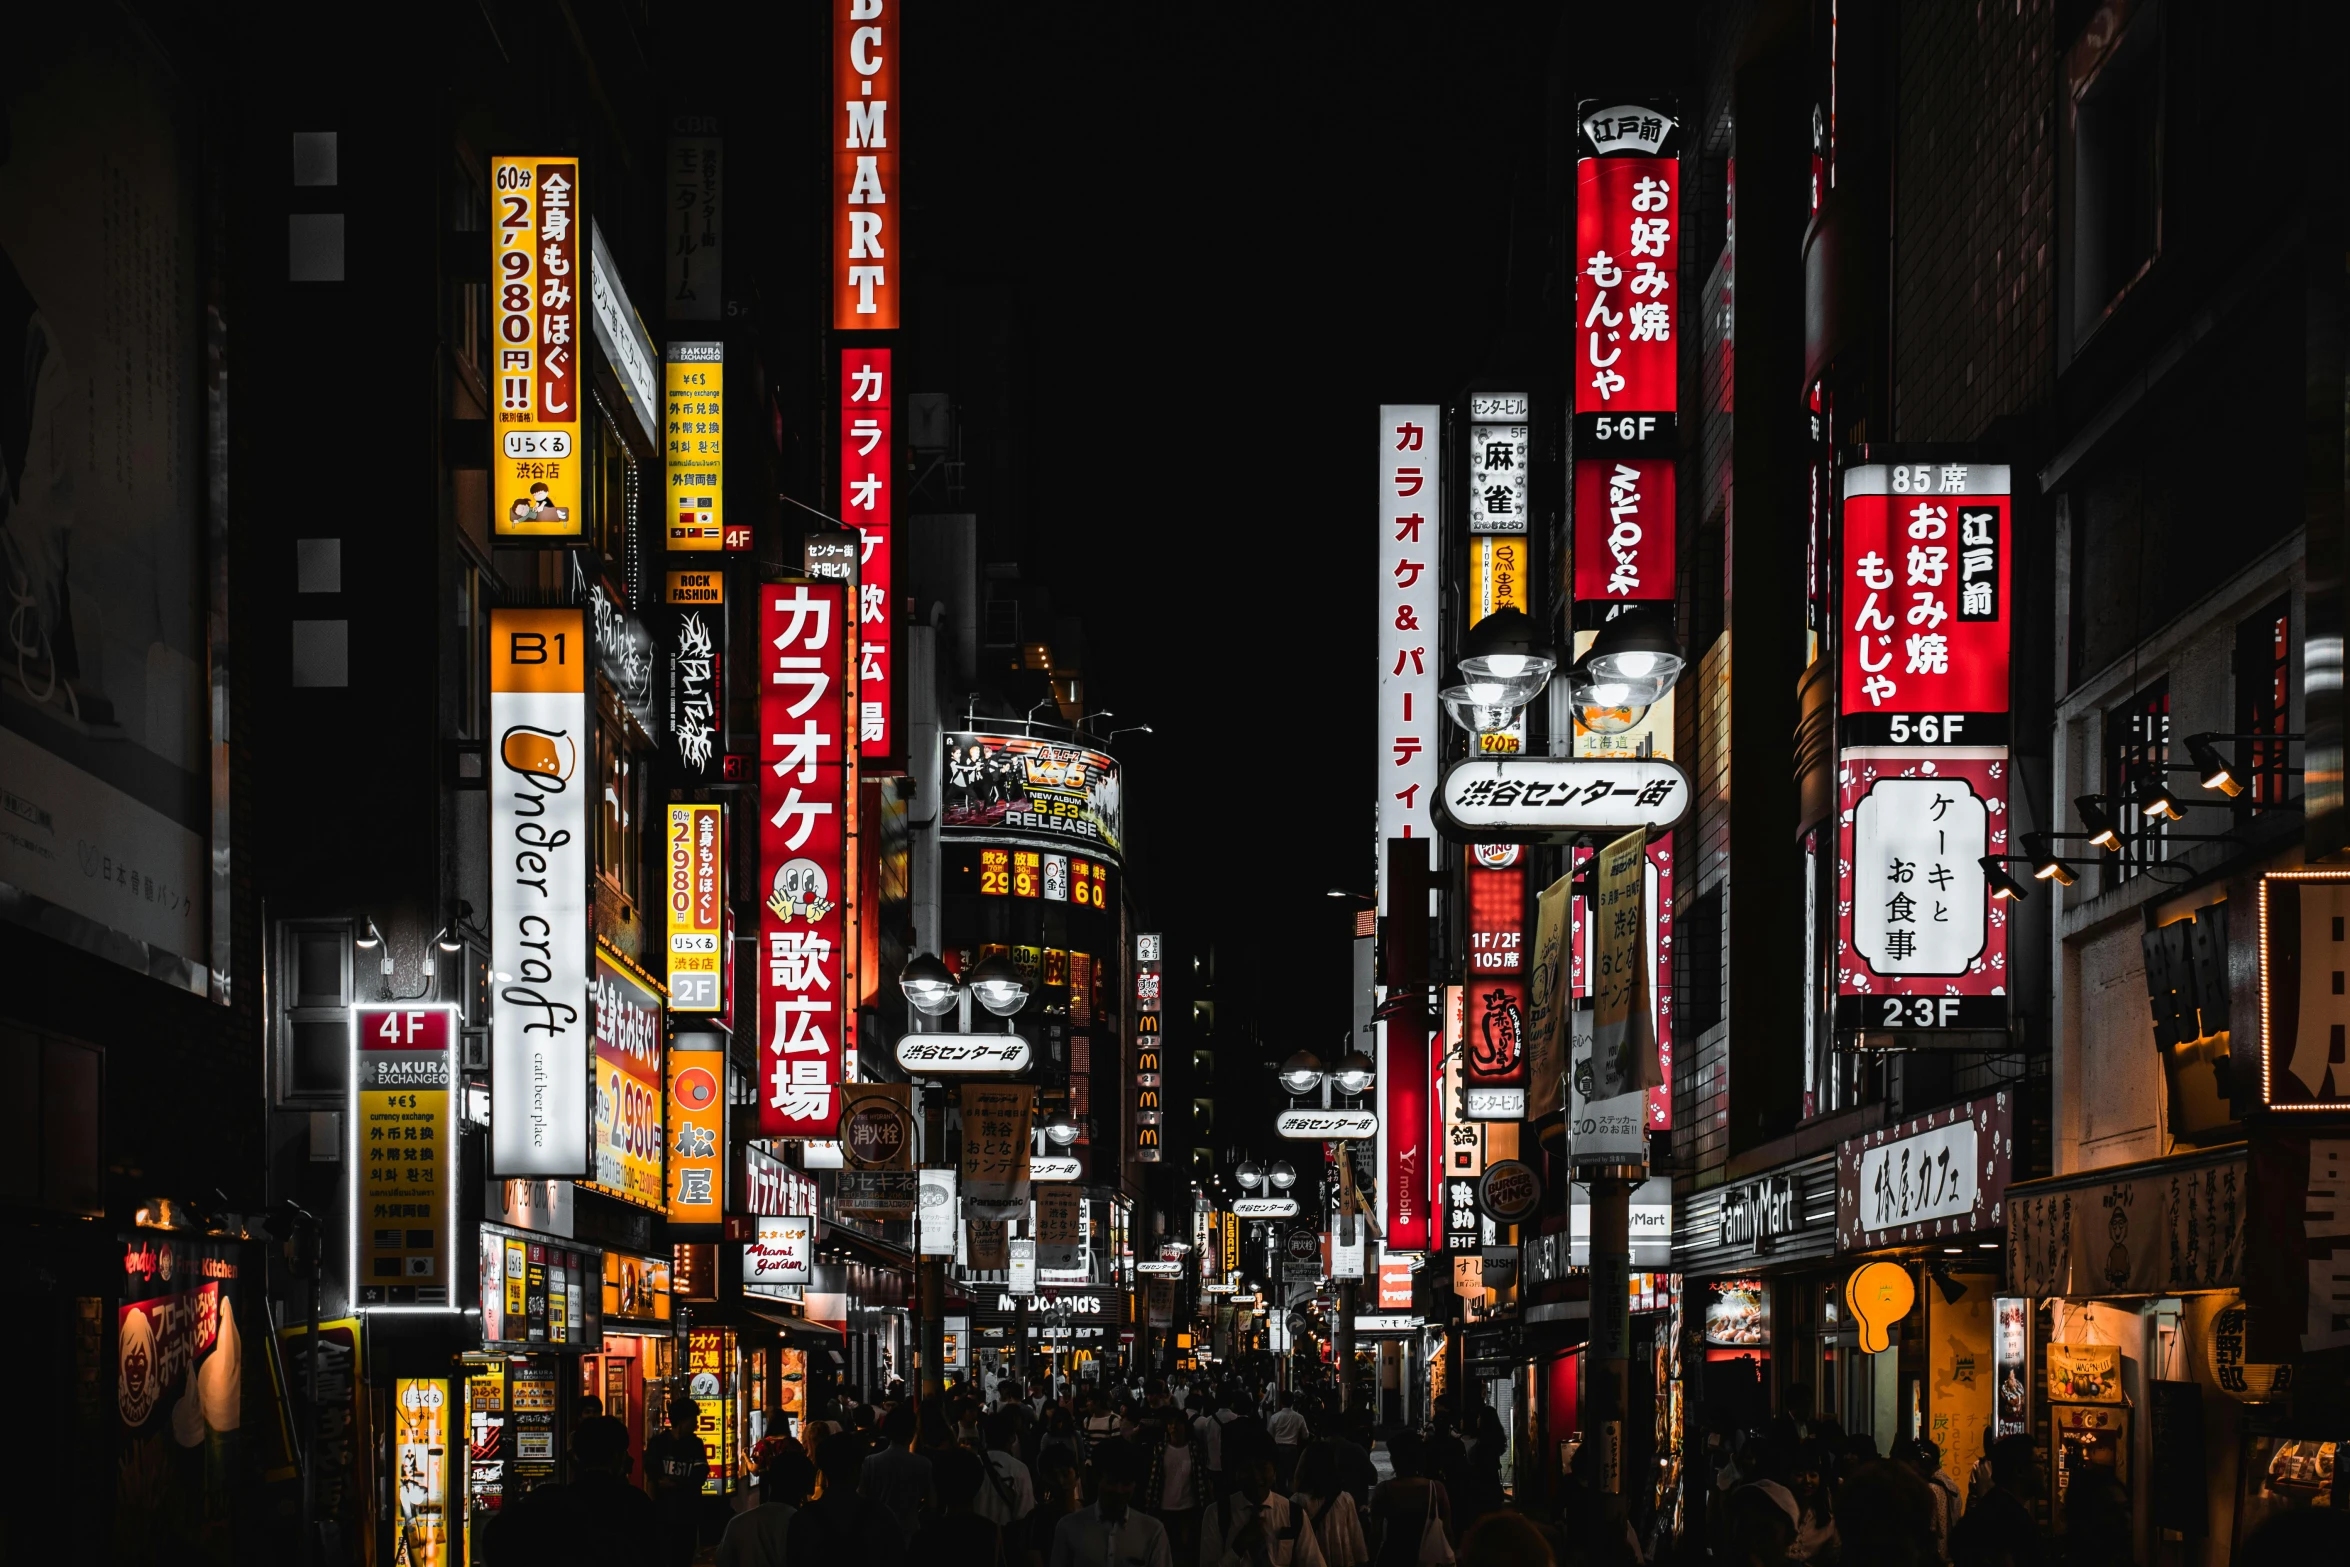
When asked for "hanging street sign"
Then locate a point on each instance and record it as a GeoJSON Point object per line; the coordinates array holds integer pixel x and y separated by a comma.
{"type": "Point", "coordinates": [1266, 1207]}
{"type": "Point", "coordinates": [961, 1055]}
{"type": "Point", "coordinates": [1317, 1126]}
{"type": "Point", "coordinates": [1536, 799]}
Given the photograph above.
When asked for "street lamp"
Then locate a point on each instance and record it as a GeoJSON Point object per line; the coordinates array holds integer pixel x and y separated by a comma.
{"type": "Point", "coordinates": [930, 986]}
{"type": "Point", "coordinates": [1059, 1130]}
{"type": "Point", "coordinates": [1353, 1073]}
{"type": "Point", "coordinates": [1637, 649]}
{"type": "Point", "coordinates": [1301, 1073]}
{"type": "Point", "coordinates": [1250, 1175]}
{"type": "Point", "coordinates": [1283, 1175]}
{"type": "Point", "coordinates": [1000, 987]}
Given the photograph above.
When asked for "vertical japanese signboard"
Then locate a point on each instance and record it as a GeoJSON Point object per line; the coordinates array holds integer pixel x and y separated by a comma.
{"type": "Point", "coordinates": [1924, 575]}
{"type": "Point", "coordinates": [403, 1157]}
{"type": "Point", "coordinates": [540, 922]}
{"type": "Point", "coordinates": [697, 907]}
{"type": "Point", "coordinates": [696, 1073]}
{"type": "Point", "coordinates": [1410, 534]}
{"type": "Point", "coordinates": [696, 220]}
{"type": "Point", "coordinates": [803, 760]}
{"type": "Point", "coordinates": [867, 254]}
{"type": "Point", "coordinates": [627, 1111]}
{"type": "Point", "coordinates": [1494, 1039]}
{"type": "Point", "coordinates": [866, 486]}
{"type": "Point", "coordinates": [997, 1118]}
{"type": "Point", "coordinates": [693, 419]}
{"type": "Point", "coordinates": [697, 673]}
{"type": "Point", "coordinates": [537, 284]}
{"type": "Point", "coordinates": [1149, 1074]}
{"type": "Point", "coordinates": [1498, 448]}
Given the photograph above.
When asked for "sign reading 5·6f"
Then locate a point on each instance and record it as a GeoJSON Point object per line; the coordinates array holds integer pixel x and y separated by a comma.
{"type": "Point", "coordinates": [537, 286]}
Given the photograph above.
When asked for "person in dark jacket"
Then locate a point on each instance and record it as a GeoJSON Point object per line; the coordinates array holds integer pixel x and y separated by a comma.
{"type": "Point", "coordinates": [958, 1534]}
{"type": "Point", "coordinates": [841, 1526]}
{"type": "Point", "coordinates": [598, 1515]}
{"type": "Point", "coordinates": [2000, 1530]}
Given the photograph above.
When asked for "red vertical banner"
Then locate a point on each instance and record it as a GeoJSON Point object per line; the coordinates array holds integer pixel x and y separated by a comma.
{"type": "Point", "coordinates": [1404, 1183]}
{"type": "Point", "coordinates": [866, 254]}
{"type": "Point", "coordinates": [1493, 1029]}
{"type": "Point", "coordinates": [867, 483]}
{"type": "Point", "coordinates": [804, 638]}
{"type": "Point", "coordinates": [1624, 530]}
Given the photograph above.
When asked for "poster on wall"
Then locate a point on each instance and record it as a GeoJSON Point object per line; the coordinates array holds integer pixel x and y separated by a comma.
{"type": "Point", "coordinates": [104, 738]}
{"type": "Point", "coordinates": [422, 1463]}
{"type": "Point", "coordinates": [2011, 1367]}
{"type": "Point", "coordinates": [179, 1388]}
{"type": "Point", "coordinates": [1738, 1314]}
{"type": "Point", "coordinates": [627, 1109]}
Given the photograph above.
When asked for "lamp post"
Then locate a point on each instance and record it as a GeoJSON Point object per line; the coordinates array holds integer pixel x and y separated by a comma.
{"type": "Point", "coordinates": [1352, 1075]}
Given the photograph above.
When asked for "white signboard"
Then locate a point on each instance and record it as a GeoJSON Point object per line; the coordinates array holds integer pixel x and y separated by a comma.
{"type": "Point", "coordinates": [1497, 478]}
{"type": "Point", "coordinates": [1918, 903]}
{"type": "Point", "coordinates": [1651, 1224]}
{"type": "Point", "coordinates": [1387, 1322]}
{"type": "Point", "coordinates": [935, 1205]}
{"type": "Point", "coordinates": [1517, 798]}
{"type": "Point", "coordinates": [1411, 541]}
{"type": "Point", "coordinates": [782, 1252]}
{"type": "Point", "coordinates": [1493, 1104]}
{"type": "Point", "coordinates": [1602, 1131]}
{"type": "Point", "coordinates": [956, 1055]}
{"type": "Point", "coordinates": [1055, 1167]}
{"type": "Point", "coordinates": [1346, 1261]}
{"type": "Point", "coordinates": [1159, 1270]}
{"type": "Point", "coordinates": [1023, 1267]}
{"type": "Point", "coordinates": [1916, 1180]}
{"type": "Point", "coordinates": [542, 772]}
{"type": "Point", "coordinates": [1327, 1125]}
{"type": "Point", "coordinates": [1266, 1207]}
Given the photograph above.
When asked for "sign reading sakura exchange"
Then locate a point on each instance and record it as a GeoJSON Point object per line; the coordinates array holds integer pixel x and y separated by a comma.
{"type": "Point", "coordinates": [803, 757]}
{"type": "Point", "coordinates": [1525, 799]}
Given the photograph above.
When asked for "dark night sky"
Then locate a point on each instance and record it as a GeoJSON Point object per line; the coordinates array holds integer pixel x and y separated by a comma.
{"type": "Point", "coordinates": [1235, 235]}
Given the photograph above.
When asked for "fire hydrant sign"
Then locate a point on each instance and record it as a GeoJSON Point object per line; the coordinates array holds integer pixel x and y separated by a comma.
{"type": "Point", "coordinates": [403, 1155]}
{"type": "Point", "coordinates": [1530, 799]}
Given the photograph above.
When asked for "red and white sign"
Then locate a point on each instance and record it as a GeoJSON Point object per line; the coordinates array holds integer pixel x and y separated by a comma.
{"type": "Point", "coordinates": [782, 1253]}
{"type": "Point", "coordinates": [1624, 530]}
{"type": "Point", "coordinates": [866, 254]}
{"type": "Point", "coordinates": [1411, 533]}
{"type": "Point", "coordinates": [803, 874]}
{"type": "Point", "coordinates": [773, 1189]}
{"type": "Point", "coordinates": [867, 481]}
{"type": "Point", "coordinates": [1924, 574]}
{"type": "Point", "coordinates": [1493, 1028]}
{"type": "Point", "coordinates": [1395, 1284]}
{"type": "Point", "coordinates": [1920, 943]}
{"type": "Point", "coordinates": [1627, 251]}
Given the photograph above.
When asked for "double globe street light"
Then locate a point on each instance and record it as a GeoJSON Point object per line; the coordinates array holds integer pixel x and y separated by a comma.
{"type": "Point", "coordinates": [931, 988]}
{"type": "Point", "coordinates": [1632, 662]}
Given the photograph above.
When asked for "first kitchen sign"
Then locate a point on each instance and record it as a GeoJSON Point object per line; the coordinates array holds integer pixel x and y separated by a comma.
{"type": "Point", "coordinates": [1535, 799]}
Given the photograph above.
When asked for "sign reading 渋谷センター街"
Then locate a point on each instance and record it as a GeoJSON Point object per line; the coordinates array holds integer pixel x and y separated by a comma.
{"type": "Point", "coordinates": [542, 771]}
{"type": "Point", "coordinates": [538, 294]}
{"type": "Point", "coordinates": [403, 1170]}
{"type": "Point", "coordinates": [803, 765]}
{"type": "Point", "coordinates": [1920, 941]}
{"type": "Point", "coordinates": [1515, 799]}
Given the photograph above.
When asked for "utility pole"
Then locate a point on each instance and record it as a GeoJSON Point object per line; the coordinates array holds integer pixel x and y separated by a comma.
{"type": "Point", "coordinates": [931, 1280]}
{"type": "Point", "coordinates": [1610, 1354]}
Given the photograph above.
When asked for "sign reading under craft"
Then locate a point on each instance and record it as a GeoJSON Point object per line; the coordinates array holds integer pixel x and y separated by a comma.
{"type": "Point", "coordinates": [1328, 1125]}
{"type": "Point", "coordinates": [1529, 799]}
{"type": "Point", "coordinates": [939, 1055]}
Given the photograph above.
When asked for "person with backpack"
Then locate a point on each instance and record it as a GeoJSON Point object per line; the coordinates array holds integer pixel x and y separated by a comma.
{"type": "Point", "coordinates": [1411, 1516]}
{"type": "Point", "coordinates": [1008, 1493]}
{"type": "Point", "coordinates": [1328, 1505]}
{"type": "Point", "coordinates": [1256, 1526]}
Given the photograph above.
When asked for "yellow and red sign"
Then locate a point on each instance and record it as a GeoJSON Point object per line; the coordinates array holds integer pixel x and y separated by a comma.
{"type": "Point", "coordinates": [627, 1112]}
{"type": "Point", "coordinates": [403, 1156]}
{"type": "Point", "coordinates": [866, 252]}
{"type": "Point", "coordinates": [697, 1133]}
{"type": "Point", "coordinates": [697, 908]}
{"type": "Point", "coordinates": [692, 428]}
{"type": "Point", "coordinates": [420, 1479]}
{"type": "Point", "coordinates": [538, 294]}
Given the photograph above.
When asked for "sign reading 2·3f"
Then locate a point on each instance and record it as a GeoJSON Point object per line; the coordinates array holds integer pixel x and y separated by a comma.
{"type": "Point", "coordinates": [541, 770]}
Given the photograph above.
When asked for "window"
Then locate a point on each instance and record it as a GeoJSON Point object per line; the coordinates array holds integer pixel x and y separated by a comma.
{"type": "Point", "coordinates": [314, 1029]}
{"type": "Point", "coordinates": [469, 315]}
{"type": "Point", "coordinates": [615, 484]}
{"type": "Point", "coordinates": [2264, 706]}
{"type": "Point", "coordinates": [620, 814]}
{"type": "Point", "coordinates": [2114, 73]}
{"type": "Point", "coordinates": [2137, 753]}
{"type": "Point", "coordinates": [1697, 950]}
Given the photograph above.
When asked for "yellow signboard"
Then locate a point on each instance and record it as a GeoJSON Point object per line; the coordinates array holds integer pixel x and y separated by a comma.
{"type": "Point", "coordinates": [420, 1477]}
{"type": "Point", "coordinates": [697, 587]}
{"type": "Point", "coordinates": [403, 1156]}
{"type": "Point", "coordinates": [691, 425]}
{"type": "Point", "coordinates": [1497, 574]}
{"type": "Point", "coordinates": [697, 907]}
{"type": "Point", "coordinates": [538, 315]}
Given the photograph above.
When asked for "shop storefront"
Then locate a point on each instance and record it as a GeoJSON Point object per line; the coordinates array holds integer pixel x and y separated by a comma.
{"type": "Point", "coordinates": [542, 1311]}
{"type": "Point", "coordinates": [635, 1371]}
{"type": "Point", "coordinates": [1927, 1195]}
{"type": "Point", "coordinates": [1756, 1258]}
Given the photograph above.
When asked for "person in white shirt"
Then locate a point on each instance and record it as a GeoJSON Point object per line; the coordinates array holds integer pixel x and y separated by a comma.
{"type": "Point", "coordinates": [1329, 1507]}
{"type": "Point", "coordinates": [1256, 1526]}
{"type": "Point", "coordinates": [1010, 1492]}
{"type": "Point", "coordinates": [1112, 1532]}
{"type": "Point", "coordinates": [1288, 1431]}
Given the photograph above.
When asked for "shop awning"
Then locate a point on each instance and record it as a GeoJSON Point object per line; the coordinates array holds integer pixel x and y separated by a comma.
{"type": "Point", "coordinates": [2157, 1227]}
{"type": "Point", "coordinates": [810, 1336]}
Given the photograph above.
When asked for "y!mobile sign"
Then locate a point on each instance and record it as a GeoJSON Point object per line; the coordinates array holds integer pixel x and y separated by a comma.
{"type": "Point", "coordinates": [866, 390]}
{"type": "Point", "coordinates": [803, 759]}
{"type": "Point", "coordinates": [866, 251]}
{"type": "Point", "coordinates": [540, 780]}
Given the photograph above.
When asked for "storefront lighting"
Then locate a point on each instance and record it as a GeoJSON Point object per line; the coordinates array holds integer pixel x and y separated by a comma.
{"type": "Point", "coordinates": [2212, 770]}
{"type": "Point", "coordinates": [1001, 988]}
{"type": "Point", "coordinates": [2156, 799]}
{"type": "Point", "coordinates": [447, 940]}
{"type": "Point", "coordinates": [931, 988]}
{"type": "Point", "coordinates": [1302, 1072]}
{"type": "Point", "coordinates": [2004, 888]}
{"type": "Point", "coordinates": [2045, 865]}
{"type": "Point", "coordinates": [1250, 1175]}
{"type": "Point", "coordinates": [2100, 826]}
{"type": "Point", "coordinates": [1353, 1073]}
{"type": "Point", "coordinates": [1282, 1174]}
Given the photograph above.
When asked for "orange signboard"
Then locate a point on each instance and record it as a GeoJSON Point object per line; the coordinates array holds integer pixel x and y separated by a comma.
{"type": "Point", "coordinates": [866, 254]}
